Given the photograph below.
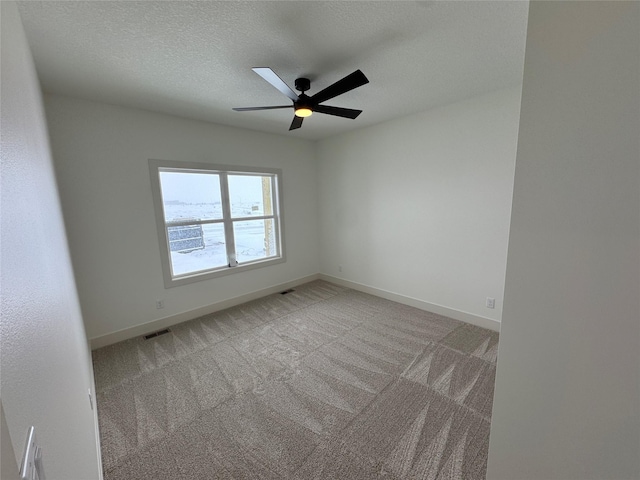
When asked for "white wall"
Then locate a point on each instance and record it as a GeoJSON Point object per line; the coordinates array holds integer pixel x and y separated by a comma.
{"type": "Point", "coordinates": [101, 156]}
{"type": "Point", "coordinates": [567, 395]}
{"type": "Point", "coordinates": [46, 368]}
{"type": "Point", "coordinates": [8, 464]}
{"type": "Point", "coordinates": [419, 206]}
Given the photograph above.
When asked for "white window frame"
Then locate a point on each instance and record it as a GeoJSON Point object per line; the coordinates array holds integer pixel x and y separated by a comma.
{"type": "Point", "coordinates": [171, 280]}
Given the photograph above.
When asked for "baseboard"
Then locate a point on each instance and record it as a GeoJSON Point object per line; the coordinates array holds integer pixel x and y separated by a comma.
{"type": "Point", "coordinates": [166, 322]}
{"type": "Point", "coordinates": [466, 317]}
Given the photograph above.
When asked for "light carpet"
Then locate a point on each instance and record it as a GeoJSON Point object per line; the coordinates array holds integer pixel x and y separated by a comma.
{"type": "Point", "coordinates": [324, 382]}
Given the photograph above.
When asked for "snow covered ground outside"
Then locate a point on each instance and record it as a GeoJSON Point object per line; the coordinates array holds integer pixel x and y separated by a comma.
{"type": "Point", "coordinates": [249, 235]}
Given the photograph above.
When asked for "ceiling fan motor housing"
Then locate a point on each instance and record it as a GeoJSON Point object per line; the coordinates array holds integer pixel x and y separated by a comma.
{"type": "Point", "coordinates": [304, 101]}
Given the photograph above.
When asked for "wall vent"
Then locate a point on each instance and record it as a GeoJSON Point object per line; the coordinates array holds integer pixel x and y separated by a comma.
{"type": "Point", "coordinates": [156, 334]}
{"type": "Point", "coordinates": [287, 291]}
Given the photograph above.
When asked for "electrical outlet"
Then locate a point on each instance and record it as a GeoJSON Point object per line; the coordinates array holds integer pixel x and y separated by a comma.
{"type": "Point", "coordinates": [339, 268]}
{"type": "Point", "coordinates": [159, 304]}
{"type": "Point", "coordinates": [491, 302]}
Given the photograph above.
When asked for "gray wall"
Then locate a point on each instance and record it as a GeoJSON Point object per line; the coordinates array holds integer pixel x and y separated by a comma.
{"type": "Point", "coordinates": [8, 464]}
{"type": "Point", "coordinates": [435, 219]}
{"type": "Point", "coordinates": [567, 395]}
{"type": "Point", "coordinates": [46, 368]}
{"type": "Point", "coordinates": [101, 157]}
{"type": "Point", "coordinates": [420, 206]}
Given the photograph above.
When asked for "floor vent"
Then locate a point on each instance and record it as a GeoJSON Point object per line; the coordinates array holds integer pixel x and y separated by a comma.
{"type": "Point", "coordinates": [287, 291]}
{"type": "Point", "coordinates": [156, 334]}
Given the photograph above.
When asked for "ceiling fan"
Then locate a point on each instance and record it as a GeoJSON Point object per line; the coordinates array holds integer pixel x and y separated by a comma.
{"type": "Point", "coordinates": [305, 105]}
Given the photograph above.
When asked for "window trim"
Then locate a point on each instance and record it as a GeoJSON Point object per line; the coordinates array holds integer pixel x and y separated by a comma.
{"type": "Point", "coordinates": [155, 166]}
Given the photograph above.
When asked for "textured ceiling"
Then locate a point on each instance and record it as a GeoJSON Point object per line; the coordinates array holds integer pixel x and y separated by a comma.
{"type": "Point", "coordinates": [194, 58]}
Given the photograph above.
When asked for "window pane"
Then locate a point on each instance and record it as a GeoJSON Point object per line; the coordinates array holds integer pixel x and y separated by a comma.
{"type": "Point", "coordinates": [196, 247]}
{"type": "Point", "coordinates": [255, 239]}
{"type": "Point", "coordinates": [190, 196]}
{"type": "Point", "coordinates": [250, 195]}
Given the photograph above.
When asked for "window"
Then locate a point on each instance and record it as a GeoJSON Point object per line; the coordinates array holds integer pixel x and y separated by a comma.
{"type": "Point", "coordinates": [213, 219]}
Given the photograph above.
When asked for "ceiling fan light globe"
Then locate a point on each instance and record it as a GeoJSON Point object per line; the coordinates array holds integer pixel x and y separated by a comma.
{"type": "Point", "coordinates": [303, 112]}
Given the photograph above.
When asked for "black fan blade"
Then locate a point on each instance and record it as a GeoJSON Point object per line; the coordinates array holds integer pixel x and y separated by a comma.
{"type": "Point", "coordinates": [271, 77]}
{"type": "Point", "coordinates": [297, 122]}
{"type": "Point", "coordinates": [249, 109]}
{"type": "Point", "coordinates": [351, 81]}
{"type": "Point", "coordinates": [337, 111]}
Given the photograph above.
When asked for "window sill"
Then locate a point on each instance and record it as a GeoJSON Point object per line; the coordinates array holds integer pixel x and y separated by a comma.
{"type": "Point", "coordinates": [221, 272]}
